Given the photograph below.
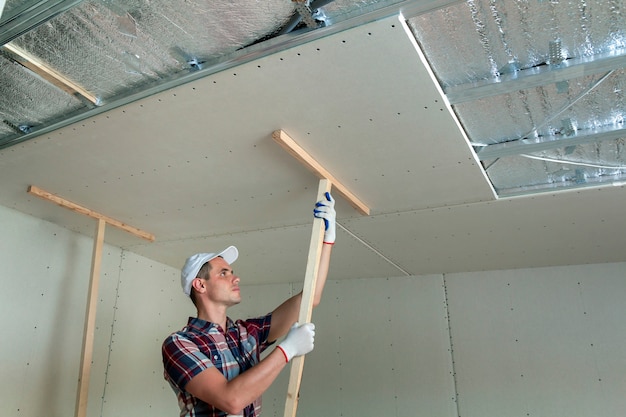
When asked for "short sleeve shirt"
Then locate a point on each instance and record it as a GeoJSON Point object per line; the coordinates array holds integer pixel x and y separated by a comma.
{"type": "Point", "coordinates": [201, 345]}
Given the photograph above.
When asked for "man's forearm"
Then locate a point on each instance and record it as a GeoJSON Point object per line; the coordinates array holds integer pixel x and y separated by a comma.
{"type": "Point", "coordinates": [251, 384]}
{"type": "Point", "coordinates": [233, 396]}
{"type": "Point", "coordinates": [322, 273]}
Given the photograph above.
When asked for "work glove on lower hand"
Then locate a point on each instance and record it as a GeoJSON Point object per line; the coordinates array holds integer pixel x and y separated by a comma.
{"type": "Point", "coordinates": [325, 209]}
{"type": "Point", "coordinates": [299, 341]}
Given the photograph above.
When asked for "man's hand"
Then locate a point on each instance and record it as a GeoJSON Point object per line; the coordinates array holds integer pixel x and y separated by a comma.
{"type": "Point", "coordinates": [299, 341]}
{"type": "Point", "coordinates": [325, 209]}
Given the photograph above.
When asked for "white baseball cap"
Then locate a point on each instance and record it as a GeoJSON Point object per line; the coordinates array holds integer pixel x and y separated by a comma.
{"type": "Point", "coordinates": [195, 262]}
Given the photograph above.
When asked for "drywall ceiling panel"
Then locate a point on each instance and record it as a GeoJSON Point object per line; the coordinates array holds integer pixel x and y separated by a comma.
{"type": "Point", "coordinates": [198, 161]}
{"type": "Point", "coordinates": [547, 229]}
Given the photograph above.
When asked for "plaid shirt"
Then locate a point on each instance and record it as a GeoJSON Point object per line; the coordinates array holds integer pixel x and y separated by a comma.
{"type": "Point", "coordinates": [201, 345]}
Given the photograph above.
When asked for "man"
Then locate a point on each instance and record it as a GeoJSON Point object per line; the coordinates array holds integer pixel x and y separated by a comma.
{"type": "Point", "coordinates": [213, 364]}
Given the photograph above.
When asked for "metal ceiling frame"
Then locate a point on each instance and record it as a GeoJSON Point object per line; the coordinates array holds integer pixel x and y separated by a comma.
{"type": "Point", "coordinates": [30, 16]}
{"type": "Point", "coordinates": [546, 143]}
{"type": "Point", "coordinates": [536, 77]}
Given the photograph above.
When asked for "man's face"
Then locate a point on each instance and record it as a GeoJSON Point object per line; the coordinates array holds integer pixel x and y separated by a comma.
{"type": "Point", "coordinates": [223, 284]}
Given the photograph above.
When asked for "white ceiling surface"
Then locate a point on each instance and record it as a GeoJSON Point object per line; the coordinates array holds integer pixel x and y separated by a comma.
{"type": "Point", "coordinates": [197, 167]}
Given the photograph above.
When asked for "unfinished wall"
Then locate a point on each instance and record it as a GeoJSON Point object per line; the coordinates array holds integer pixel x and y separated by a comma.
{"type": "Point", "coordinates": [44, 273]}
{"type": "Point", "coordinates": [540, 342]}
{"type": "Point", "coordinates": [531, 342]}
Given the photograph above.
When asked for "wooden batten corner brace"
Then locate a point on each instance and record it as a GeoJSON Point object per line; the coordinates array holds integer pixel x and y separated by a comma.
{"type": "Point", "coordinates": [287, 143]}
{"type": "Point", "coordinates": [87, 212]}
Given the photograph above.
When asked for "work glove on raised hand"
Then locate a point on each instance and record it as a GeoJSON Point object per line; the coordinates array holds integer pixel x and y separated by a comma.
{"type": "Point", "coordinates": [299, 341]}
{"type": "Point", "coordinates": [325, 209]}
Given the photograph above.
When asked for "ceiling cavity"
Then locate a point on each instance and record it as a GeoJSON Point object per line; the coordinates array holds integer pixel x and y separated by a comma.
{"type": "Point", "coordinates": [537, 86]}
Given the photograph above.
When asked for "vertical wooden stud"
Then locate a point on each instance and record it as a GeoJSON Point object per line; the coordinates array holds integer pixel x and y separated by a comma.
{"type": "Point", "coordinates": [306, 307]}
{"type": "Point", "coordinates": [90, 322]}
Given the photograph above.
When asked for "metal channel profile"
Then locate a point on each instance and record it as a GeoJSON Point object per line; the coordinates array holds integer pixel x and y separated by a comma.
{"type": "Point", "coordinates": [536, 77]}
{"type": "Point", "coordinates": [30, 16]}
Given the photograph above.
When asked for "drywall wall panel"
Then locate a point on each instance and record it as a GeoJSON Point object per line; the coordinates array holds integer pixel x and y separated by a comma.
{"type": "Point", "coordinates": [381, 348]}
{"type": "Point", "coordinates": [150, 306]}
{"type": "Point", "coordinates": [535, 342]}
{"type": "Point", "coordinates": [105, 314]}
{"type": "Point", "coordinates": [147, 310]}
{"type": "Point", "coordinates": [382, 345]}
{"type": "Point", "coordinates": [44, 273]}
{"type": "Point", "coordinates": [423, 373]}
{"type": "Point", "coordinates": [546, 341]}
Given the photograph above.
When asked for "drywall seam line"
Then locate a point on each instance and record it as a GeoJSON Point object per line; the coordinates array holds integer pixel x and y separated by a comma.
{"type": "Point", "coordinates": [297, 225]}
{"type": "Point", "coordinates": [108, 365]}
{"type": "Point", "coordinates": [376, 251]}
{"type": "Point", "coordinates": [452, 364]}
